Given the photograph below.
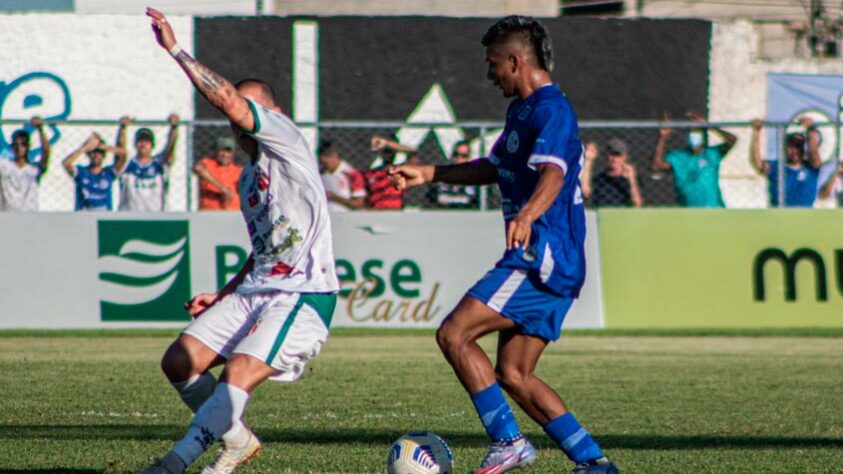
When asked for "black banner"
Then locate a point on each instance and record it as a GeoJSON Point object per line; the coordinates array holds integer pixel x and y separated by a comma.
{"type": "Point", "coordinates": [380, 68]}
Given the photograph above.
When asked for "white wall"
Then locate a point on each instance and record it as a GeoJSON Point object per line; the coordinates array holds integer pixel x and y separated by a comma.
{"type": "Point", "coordinates": [738, 92]}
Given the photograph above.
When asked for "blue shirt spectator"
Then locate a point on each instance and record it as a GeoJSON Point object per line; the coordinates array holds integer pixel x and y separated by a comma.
{"type": "Point", "coordinates": [94, 182]}
{"type": "Point", "coordinates": [801, 169]}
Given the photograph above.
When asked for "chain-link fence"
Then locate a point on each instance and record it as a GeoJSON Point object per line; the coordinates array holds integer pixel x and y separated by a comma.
{"type": "Point", "coordinates": [666, 176]}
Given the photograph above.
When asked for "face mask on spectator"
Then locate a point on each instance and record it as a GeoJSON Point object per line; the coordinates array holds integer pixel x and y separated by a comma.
{"type": "Point", "coordinates": [695, 139]}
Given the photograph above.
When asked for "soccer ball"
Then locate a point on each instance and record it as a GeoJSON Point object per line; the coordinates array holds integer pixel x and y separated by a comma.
{"type": "Point", "coordinates": [419, 453]}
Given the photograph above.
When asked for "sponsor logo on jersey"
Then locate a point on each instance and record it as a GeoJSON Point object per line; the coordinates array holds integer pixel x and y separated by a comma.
{"type": "Point", "coordinates": [144, 270]}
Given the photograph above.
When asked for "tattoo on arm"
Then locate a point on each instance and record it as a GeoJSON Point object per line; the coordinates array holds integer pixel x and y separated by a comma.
{"type": "Point", "coordinates": [219, 92]}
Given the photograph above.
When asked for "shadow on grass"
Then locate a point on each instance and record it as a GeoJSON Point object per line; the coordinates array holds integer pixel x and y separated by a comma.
{"type": "Point", "coordinates": [380, 438]}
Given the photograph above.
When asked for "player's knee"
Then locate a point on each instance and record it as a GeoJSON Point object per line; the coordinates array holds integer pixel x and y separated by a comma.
{"type": "Point", "coordinates": [176, 363]}
{"type": "Point", "coordinates": [510, 378]}
{"type": "Point", "coordinates": [449, 340]}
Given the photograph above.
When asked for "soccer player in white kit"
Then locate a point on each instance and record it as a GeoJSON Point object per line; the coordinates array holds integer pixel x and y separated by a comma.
{"type": "Point", "coordinates": [273, 316]}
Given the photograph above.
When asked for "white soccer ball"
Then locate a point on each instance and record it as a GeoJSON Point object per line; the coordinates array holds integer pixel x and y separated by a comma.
{"type": "Point", "coordinates": [419, 453]}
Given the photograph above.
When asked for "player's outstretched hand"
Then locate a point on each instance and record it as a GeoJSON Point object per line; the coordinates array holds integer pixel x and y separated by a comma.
{"type": "Point", "coordinates": [408, 176]}
{"type": "Point", "coordinates": [162, 29]}
{"type": "Point", "coordinates": [199, 303]}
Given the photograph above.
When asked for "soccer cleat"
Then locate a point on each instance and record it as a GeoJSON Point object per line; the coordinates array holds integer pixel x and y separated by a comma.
{"type": "Point", "coordinates": [230, 457]}
{"type": "Point", "coordinates": [169, 464]}
{"type": "Point", "coordinates": [506, 456]}
{"type": "Point", "coordinates": [597, 466]}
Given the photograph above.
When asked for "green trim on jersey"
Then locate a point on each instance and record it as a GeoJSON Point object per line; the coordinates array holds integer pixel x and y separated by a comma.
{"type": "Point", "coordinates": [255, 117]}
{"type": "Point", "coordinates": [323, 304]}
{"type": "Point", "coordinates": [285, 328]}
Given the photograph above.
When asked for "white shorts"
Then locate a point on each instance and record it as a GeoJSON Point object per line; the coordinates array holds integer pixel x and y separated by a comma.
{"type": "Point", "coordinates": [282, 329]}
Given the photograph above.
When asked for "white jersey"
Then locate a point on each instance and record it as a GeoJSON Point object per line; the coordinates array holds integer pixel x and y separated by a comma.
{"type": "Point", "coordinates": [286, 212]}
{"type": "Point", "coordinates": [345, 182]}
{"type": "Point", "coordinates": [144, 186]}
{"type": "Point", "coordinates": [19, 186]}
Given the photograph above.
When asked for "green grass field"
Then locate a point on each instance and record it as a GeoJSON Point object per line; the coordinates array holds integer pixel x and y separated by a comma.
{"type": "Point", "coordinates": [96, 402]}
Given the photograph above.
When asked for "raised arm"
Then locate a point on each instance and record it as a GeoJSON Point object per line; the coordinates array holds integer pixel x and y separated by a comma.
{"type": "Point", "coordinates": [379, 143]}
{"type": "Point", "coordinates": [813, 136]}
{"type": "Point", "coordinates": [828, 187]}
{"type": "Point", "coordinates": [518, 230]}
{"type": "Point", "coordinates": [729, 139]}
{"type": "Point", "coordinates": [659, 163]}
{"type": "Point", "coordinates": [38, 124]}
{"type": "Point", "coordinates": [120, 152]}
{"type": "Point", "coordinates": [587, 168]}
{"type": "Point", "coordinates": [755, 148]}
{"type": "Point", "coordinates": [169, 154]}
{"type": "Point", "coordinates": [634, 189]}
{"type": "Point", "coordinates": [216, 89]}
{"type": "Point", "coordinates": [69, 163]}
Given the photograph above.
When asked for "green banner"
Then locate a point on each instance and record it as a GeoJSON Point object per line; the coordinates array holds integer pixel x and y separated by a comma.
{"type": "Point", "coordinates": [722, 268]}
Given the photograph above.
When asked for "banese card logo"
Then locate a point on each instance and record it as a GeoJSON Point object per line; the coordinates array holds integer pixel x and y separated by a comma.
{"type": "Point", "coordinates": [144, 270]}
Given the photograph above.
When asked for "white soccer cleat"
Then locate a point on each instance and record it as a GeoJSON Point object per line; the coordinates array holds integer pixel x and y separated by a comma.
{"type": "Point", "coordinates": [230, 457]}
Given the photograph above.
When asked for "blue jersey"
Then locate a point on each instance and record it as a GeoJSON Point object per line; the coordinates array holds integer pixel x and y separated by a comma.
{"type": "Point", "coordinates": [800, 185]}
{"type": "Point", "coordinates": [542, 130]}
{"type": "Point", "coordinates": [93, 191]}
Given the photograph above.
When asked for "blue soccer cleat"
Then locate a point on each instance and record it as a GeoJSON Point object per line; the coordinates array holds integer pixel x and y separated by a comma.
{"type": "Point", "coordinates": [597, 466]}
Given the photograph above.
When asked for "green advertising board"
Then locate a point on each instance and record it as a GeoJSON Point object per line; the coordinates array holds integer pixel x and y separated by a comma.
{"type": "Point", "coordinates": [674, 268]}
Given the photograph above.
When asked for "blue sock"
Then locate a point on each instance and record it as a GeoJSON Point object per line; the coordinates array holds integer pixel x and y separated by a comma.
{"type": "Point", "coordinates": [573, 439]}
{"type": "Point", "coordinates": [495, 414]}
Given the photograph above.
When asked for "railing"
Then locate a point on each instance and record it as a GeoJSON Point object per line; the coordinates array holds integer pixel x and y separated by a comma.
{"type": "Point", "coordinates": [742, 186]}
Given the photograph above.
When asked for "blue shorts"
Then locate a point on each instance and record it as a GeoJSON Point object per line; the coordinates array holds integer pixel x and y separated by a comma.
{"type": "Point", "coordinates": [516, 296]}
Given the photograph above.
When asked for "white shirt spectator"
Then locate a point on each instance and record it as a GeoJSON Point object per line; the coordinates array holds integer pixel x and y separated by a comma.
{"type": "Point", "coordinates": [19, 186]}
{"type": "Point", "coordinates": [345, 182]}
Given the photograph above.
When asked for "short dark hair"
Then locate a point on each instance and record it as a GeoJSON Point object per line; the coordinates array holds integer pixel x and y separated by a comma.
{"type": "Point", "coordinates": [21, 133]}
{"type": "Point", "coordinates": [796, 140]}
{"type": "Point", "coordinates": [459, 144]}
{"type": "Point", "coordinates": [264, 86]}
{"type": "Point", "coordinates": [526, 29]}
{"type": "Point", "coordinates": [327, 147]}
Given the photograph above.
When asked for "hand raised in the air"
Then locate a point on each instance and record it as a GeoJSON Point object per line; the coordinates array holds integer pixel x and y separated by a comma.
{"type": "Point", "coordinates": [162, 29]}
{"type": "Point", "coordinates": [408, 176]}
{"type": "Point", "coordinates": [199, 303]}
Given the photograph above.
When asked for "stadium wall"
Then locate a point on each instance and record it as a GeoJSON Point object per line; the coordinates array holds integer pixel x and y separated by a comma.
{"type": "Point", "coordinates": [400, 270]}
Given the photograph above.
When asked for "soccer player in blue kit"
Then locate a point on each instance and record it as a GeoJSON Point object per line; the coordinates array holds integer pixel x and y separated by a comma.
{"type": "Point", "coordinates": [525, 297]}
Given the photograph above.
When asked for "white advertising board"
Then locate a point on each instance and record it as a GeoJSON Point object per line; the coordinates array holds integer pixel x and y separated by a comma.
{"type": "Point", "coordinates": [398, 270]}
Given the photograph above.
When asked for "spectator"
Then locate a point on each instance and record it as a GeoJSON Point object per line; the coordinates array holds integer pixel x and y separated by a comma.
{"type": "Point", "coordinates": [143, 184]}
{"type": "Point", "coordinates": [696, 168]}
{"type": "Point", "coordinates": [380, 193]}
{"type": "Point", "coordinates": [834, 185]}
{"type": "Point", "coordinates": [454, 196]}
{"type": "Point", "coordinates": [618, 184]}
{"type": "Point", "coordinates": [94, 182]}
{"type": "Point", "coordinates": [19, 179]}
{"type": "Point", "coordinates": [344, 185]}
{"type": "Point", "coordinates": [801, 173]}
{"type": "Point", "coordinates": [218, 178]}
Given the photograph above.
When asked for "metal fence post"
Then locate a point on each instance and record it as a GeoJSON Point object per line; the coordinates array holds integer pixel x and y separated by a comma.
{"type": "Point", "coordinates": [189, 160]}
{"type": "Point", "coordinates": [484, 190]}
{"type": "Point", "coordinates": [779, 147]}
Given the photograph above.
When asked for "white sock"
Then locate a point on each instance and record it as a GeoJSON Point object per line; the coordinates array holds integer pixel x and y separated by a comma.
{"type": "Point", "coordinates": [195, 391]}
{"type": "Point", "coordinates": [215, 416]}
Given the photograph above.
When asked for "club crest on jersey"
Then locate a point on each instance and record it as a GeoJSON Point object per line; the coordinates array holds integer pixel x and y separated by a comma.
{"type": "Point", "coordinates": [512, 142]}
